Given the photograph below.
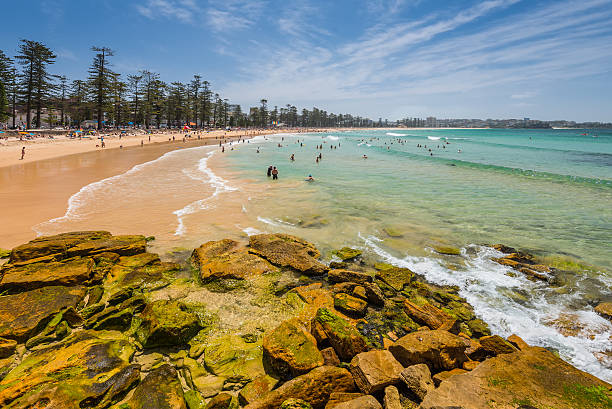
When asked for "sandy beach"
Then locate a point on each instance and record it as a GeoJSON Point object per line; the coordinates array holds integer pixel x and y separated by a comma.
{"type": "Point", "coordinates": [38, 188]}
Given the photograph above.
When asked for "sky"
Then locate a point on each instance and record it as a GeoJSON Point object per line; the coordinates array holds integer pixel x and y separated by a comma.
{"type": "Point", "coordinates": [549, 59]}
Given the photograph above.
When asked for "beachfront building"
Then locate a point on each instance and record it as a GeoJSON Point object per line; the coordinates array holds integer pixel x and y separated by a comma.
{"type": "Point", "coordinates": [49, 118]}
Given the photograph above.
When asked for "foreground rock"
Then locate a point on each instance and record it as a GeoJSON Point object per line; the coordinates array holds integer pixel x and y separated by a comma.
{"type": "Point", "coordinates": [160, 389]}
{"type": "Point", "coordinates": [533, 377]}
{"type": "Point", "coordinates": [440, 350]}
{"type": "Point", "coordinates": [166, 323]}
{"type": "Point", "coordinates": [291, 350]}
{"type": "Point", "coordinates": [314, 388]}
{"type": "Point", "coordinates": [284, 250]}
{"type": "Point", "coordinates": [343, 337]}
{"type": "Point", "coordinates": [364, 402]}
{"type": "Point", "coordinates": [86, 370]}
{"type": "Point", "coordinates": [36, 275]}
{"type": "Point", "coordinates": [373, 371]}
{"type": "Point", "coordinates": [22, 315]}
{"type": "Point", "coordinates": [227, 259]}
{"type": "Point", "coordinates": [418, 380]}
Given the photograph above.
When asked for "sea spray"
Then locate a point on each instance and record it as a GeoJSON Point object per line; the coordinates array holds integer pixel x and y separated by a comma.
{"type": "Point", "coordinates": [486, 285]}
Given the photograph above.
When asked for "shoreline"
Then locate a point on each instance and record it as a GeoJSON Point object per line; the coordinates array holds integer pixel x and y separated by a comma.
{"type": "Point", "coordinates": [39, 189]}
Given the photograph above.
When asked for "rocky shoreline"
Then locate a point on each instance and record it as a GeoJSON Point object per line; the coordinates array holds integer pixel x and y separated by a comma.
{"type": "Point", "coordinates": [91, 320]}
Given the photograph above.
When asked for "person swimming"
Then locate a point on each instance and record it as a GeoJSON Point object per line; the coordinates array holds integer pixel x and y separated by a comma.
{"type": "Point", "coordinates": [309, 178]}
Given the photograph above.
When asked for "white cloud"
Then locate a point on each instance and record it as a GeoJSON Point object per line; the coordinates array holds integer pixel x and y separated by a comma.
{"type": "Point", "coordinates": [182, 10]}
{"type": "Point", "coordinates": [412, 59]}
{"type": "Point", "coordinates": [229, 15]}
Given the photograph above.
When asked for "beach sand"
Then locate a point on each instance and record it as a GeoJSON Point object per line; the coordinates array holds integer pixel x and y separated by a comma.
{"type": "Point", "coordinates": [38, 188]}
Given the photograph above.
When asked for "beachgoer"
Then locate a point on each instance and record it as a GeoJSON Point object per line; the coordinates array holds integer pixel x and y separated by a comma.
{"type": "Point", "coordinates": [269, 171]}
{"type": "Point", "coordinates": [293, 157]}
{"type": "Point", "coordinates": [22, 153]}
{"type": "Point", "coordinates": [142, 142]}
{"type": "Point", "coordinates": [309, 178]}
{"type": "Point", "coordinates": [274, 173]}
{"type": "Point", "coordinates": [365, 156]}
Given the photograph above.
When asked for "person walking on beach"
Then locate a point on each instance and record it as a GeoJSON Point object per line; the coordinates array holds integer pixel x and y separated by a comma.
{"type": "Point", "coordinates": [274, 173]}
{"type": "Point", "coordinates": [22, 153]}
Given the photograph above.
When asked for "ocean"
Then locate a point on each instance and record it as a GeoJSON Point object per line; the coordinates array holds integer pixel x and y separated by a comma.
{"type": "Point", "coordinates": [547, 192]}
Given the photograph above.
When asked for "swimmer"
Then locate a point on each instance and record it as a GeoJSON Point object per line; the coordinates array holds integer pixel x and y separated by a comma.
{"type": "Point", "coordinates": [292, 157]}
{"type": "Point", "coordinates": [365, 156]}
{"type": "Point", "coordinates": [309, 178]}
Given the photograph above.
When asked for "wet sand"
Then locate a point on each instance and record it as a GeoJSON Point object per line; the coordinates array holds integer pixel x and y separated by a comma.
{"type": "Point", "coordinates": [34, 192]}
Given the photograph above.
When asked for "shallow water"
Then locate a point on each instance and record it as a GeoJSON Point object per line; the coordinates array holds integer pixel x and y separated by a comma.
{"type": "Point", "coordinates": [549, 192]}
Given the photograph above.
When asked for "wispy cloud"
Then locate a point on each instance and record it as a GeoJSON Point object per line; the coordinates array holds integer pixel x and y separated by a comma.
{"type": "Point", "coordinates": [298, 19]}
{"type": "Point", "coordinates": [442, 55]}
{"type": "Point", "coordinates": [230, 15]}
{"type": "Point", "coordinates": [182, 10]}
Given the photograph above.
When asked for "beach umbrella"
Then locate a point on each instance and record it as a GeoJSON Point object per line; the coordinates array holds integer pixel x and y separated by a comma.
{"type": "Point", "coordinates": [186, 127]}
{"type": "Point", "coordinates": [130, 123]}
{"type": "Point", "coordinates": [2, 132]}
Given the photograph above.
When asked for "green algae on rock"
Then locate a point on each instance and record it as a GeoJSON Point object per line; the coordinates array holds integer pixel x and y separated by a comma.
{"type": "Point", "coordinates": [291, 350]}
{"type": "Point", "coordinates": [284, 250]}
{"type": "Point", "coordinates": [166, 323]}
{"type": "Point", "coordinates": [347, 253]}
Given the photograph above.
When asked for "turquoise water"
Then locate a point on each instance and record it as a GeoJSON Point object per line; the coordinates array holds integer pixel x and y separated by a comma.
{"type": "Point", "coordinates": [548, 192]}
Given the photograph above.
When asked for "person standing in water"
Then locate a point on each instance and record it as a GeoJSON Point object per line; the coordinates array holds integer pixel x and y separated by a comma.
{"type": "Point", "coordinates": [269, 171]}
{"type": "Point", "coordinates": [274, 173]}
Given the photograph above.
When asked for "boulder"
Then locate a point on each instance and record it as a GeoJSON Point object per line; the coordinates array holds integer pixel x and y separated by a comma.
{"type": "Point", "coordinates": [363, 402]}
{"type": "Point", "coordinates": [530, 377]}
{"type": "Point", "coordinates": [7, 347]}
{"type": "Point", "coordinates": [223, 401]}
{"type": "Point", "coordinates": [605, 310]}
{"type": "Point", "coordinates": [295, 404]}
{"type": "Point", "coordinates": [231, 356]}
{"type": "Point", "coordinates": [227, 259]}
{"type": "Point", "coordinates": [166, 323]}
{"type": "Point", "coordinates": [284, 250]}
{"type": "Point", "coordinates": [336, 398]}
{"type": "Point", "coordinates": [37, 275]}
{"type": "Point", "coordinates": [447, 250]}
{"type": "Point", "coordinates": [194, 399]}
{"type": "Point", "coordinates": [503, 248]}
{"type": "Point", "coordinates": [86, 370]}
{"type": "Point", "coordinates": [374, 294]}
{"type": "Point", "coordinates": [160, 389]}
{"type": "Point", "coordinates": [517, 341]}
{"type": "Point", "coordinates": [440, 350]}
{"type": "Point", "coordinates": [347, 253]}
{"type": "Point", "coordinates": [350, 305]}
{"type": "Point", "coordinates": [121, 245]}
{"type": "Point", "coordinates": [53, 247]}
{"type": "Point", "coordinates": [427, 315]}
{"type": "Point", "coordinates": [256, 389]}
{"type": "Point", "coordinates": [22, 315]}
{"type": "Point", "coordinates": [395, 277]}
{"type": "Point", "coordinates": [341, 335]}
{"type": "Point", "coordinates": [442, 376]}
{"type": "Point", "coordinates": [418, 380]}
{"type": "Point", "coordinates": [496, 345]}
{"type": "Point", "coordinates": [291, 350]}
{"type": "Point", "coordinates": [374, 370]}
{"type": "Point", "coordinates": [314, 387]}
{"type": "Point", "coordinates": [391, 400]}
{"type": "Point", "coordinates": [342, 276]}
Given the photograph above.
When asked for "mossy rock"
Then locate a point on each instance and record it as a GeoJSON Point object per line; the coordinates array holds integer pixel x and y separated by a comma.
{"type": "Point", "coordinates": [447, 250]}
{"type": "Point", "coordinates": [160, 389]}
{"type": "Point", "coordinates": [350, 305]}
{"type": "Point", "coordinates": [85, 367]}
{"type": "Point", "coordinates": [478, 328]}
{"type": "Point", "coordinates": [346, 340]}
{"type": "Point", "coordinates": [194, 400]}
{"type": "Point", "coordinates": [290, 350]}
{"type": "Point", "coordinates": [229, 355]}
{"type": "Point", "coordinates": [295, 404]}
{"type": "Point", "coordinates": [4, 253]}
{"type": "Point", "coordinates": [166, 323]}
{"type": "Point", "coordinates": [347, 253]}
{"type": "Point", "coordinates": [393, 232]}
{"type": "Point", "coordinates": [396, 277]}
{"type": "Point", "coordinates": [226, 285]}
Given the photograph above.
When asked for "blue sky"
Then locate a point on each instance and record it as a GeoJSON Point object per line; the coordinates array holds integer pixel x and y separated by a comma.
{"type": "Point", "coordinates": [389, 58]}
